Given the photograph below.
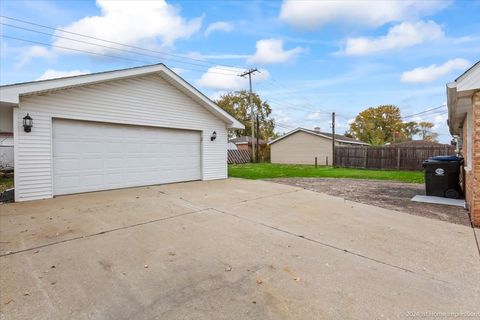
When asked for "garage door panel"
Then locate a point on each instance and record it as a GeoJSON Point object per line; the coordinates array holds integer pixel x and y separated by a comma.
{"type": "Point", "coordinates": [90, 156]}
{"type": "Point", "coordinates": [67, 182]}
{"type": "Point", "coordinates": [68, 164]}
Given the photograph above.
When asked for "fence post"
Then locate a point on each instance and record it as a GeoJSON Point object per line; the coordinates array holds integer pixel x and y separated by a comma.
{"type": "Point", "coordinates": [398, 158]}
{"type": "Point", "coordinates": [326, 162]}
{"type": "Point", "coordinates": [315, 162]}
{"type": "Point", "coordinates": [366, 157]}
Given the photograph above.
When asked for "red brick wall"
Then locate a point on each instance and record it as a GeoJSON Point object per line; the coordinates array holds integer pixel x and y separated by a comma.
{"type": "Point", "coordinates": [472, 178]}
{"type": "Point", "coordinates": [243, 147]}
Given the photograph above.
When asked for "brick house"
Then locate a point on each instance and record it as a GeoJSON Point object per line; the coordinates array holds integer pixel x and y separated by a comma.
{"type": "Point", "coordinates": [463, 99]}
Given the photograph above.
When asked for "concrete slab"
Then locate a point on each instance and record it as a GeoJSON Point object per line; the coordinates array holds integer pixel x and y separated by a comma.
{"type": "Point", "coordinates": [439, 200]}
{"type": "Point", "coordinates": [407, 241]}
{"type": "Point", "coordinates": [230, 249]}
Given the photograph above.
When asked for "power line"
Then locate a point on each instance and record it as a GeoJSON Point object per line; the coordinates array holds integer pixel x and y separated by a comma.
{"type": "Point", "coordinates": [111, 48]}
{"type": "Point", "coordinates": [285, 89]}
{"type": "Point", "coordinates": [104, 55]}
{"type": "Point", "coordinates": [425, 111]}
{"type": "Point", "coordinates": [287, 104]}
{"type": "Point", "coordinates": [113, 42]}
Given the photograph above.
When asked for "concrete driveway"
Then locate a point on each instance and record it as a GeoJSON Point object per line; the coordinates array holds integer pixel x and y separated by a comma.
{"type": "Point", "coordinates": [230, 249]}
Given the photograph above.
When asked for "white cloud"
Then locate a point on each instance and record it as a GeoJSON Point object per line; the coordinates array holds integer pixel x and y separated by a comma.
{"type": "Point", "coordinates": [226, 56]}
{"type": "Point", "coordinates": [440, 121]}
{"type": "Point", "coordinates": [312, 14]}
{"type": "Point", "coordinates": [34, 52]}
{"type": "Point", "coordinates": [218, 26]}
{"type": "Point", "coordinates": [281, 116]}
{"type": "Point", "coordinates": [220, 56]}
{"type": "Point", "coordinates": [226, 78]}
{"type": "Point", "coordinates": [271, 51]}
{"type": "Point", "coordinates": [179, 70]}
{"type": "Point", "coordinates": [131, 22]}
{"type": "Point", "coordinates": [403, 35]}
{"type": "Point", "coordinates": [317, 115]}
{"type": "Point", "coordinates": [52, 74]}
{"type": "Point", "coordinates": [432, 72]}
{"type": "Point", "coordinates": [217, 95]}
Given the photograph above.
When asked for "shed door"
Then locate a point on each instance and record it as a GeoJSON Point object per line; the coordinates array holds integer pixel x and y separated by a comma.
{"type": "Point", "coordinates": [91, 156]}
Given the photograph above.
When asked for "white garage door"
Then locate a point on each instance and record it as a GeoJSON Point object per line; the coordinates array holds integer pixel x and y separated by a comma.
{"type": "Point", "coordinates": [90, 156]}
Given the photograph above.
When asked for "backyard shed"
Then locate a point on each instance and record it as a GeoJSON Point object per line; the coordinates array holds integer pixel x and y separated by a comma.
{"type": "Point", "coordinates": [302, 146]}
{"type": "Point", "coordinates": [116, 129]}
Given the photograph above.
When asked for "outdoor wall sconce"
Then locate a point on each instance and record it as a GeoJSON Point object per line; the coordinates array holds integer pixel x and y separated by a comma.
{"type": "Point", "coordinates": [27, 123]}
{"type": "Point", "coordinates": [214, 136]}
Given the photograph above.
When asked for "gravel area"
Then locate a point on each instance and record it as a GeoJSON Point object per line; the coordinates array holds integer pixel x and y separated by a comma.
{"type": "Point", "coordinates": [385, 194]}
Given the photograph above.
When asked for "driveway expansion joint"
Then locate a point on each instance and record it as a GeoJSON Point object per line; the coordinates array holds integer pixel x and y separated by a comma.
{"type": "Point", "coordinates": [264, 197]}
{"type": "Point", "coordinates": [359, 255]}
{"type": "Point", "coordinates": [102, 232]}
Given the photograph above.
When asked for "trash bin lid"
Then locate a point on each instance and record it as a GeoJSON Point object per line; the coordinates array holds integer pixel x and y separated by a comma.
{"type": "Point", "coordinates": [445, 158]}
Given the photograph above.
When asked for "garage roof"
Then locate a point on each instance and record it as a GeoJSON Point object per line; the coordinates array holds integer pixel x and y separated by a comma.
{"type": "Point", "coordinates": [326, 135]}
{"type": "Point", "coordinates": [10, 94]}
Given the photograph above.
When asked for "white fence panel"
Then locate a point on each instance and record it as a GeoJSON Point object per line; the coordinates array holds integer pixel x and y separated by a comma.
{"type": "Point", "coordinates": [6, 157]}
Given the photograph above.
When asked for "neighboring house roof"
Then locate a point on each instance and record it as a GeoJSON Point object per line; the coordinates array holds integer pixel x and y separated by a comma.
{"type": "Point", "coordinates": [459, 95]}
{"type": "Point", "coordinates": [10, 94]}
{"type": "Point", "coordinates": [338, 137]}
{"type": "Point", "coordinates": [245, 140]}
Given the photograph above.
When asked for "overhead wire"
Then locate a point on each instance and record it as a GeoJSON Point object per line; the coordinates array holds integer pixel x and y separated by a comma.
{"type": "Point", "coordinates": [425, 111]}
{"type": "Point", "coordinates": [102, 54]}
{"type": "Point", "coordinates": [114, 42]}
{"type": "Point", "coordinates": [112, 48]}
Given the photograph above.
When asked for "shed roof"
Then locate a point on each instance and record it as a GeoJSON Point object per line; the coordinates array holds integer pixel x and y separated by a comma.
{"type": "Point", "coordinates": [326, 135]}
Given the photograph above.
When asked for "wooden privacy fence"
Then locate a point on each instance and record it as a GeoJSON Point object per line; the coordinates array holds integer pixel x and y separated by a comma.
{"type": "Point", "coordinates": [390, 158]}
{"type": "Point", "coordinates": [238, 156]}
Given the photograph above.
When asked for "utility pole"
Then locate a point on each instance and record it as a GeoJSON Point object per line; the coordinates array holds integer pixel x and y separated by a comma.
{"type": "Point", "coordinates": [333, 139]}
{"type": "Point", "coordinates": [252, 117]}
{"type": "Point", "coordinates": [258, 137]}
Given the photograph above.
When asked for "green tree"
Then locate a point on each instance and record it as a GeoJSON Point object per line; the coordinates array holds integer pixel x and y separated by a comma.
{"type": "Point", "coordinates": [410, 129]}
{"type": "Point", "coordinates": [383, 124]}
{"type": "Point", "coordinates": [379, 125]}
{"type": "Point", "coordinates": [426, 133]}
{"type": "Point", "coordinates": [237, 104]}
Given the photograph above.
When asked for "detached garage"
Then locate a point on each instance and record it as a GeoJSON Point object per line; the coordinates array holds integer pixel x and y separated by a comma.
{"type": "Point", "coordinates": [118, 129]}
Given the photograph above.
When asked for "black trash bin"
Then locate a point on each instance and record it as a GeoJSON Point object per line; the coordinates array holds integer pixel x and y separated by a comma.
{"type": "Point", "coordinates": [442, 176]}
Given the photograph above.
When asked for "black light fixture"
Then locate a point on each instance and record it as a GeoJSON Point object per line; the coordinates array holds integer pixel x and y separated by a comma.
{"type": "Point", "coordinates": [214, 136]}
{"type": "Point", "coordinates": [27, 123]}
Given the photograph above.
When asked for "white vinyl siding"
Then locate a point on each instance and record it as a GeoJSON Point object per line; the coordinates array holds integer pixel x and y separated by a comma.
{"type": "Point", "coordinates": [144, 101]}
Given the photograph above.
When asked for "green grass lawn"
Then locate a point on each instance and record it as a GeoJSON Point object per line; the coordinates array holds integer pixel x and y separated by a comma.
{"type": "Point", "coordinates": [268, 170]}
{"type": "Point", "coordinates": [5, 183]}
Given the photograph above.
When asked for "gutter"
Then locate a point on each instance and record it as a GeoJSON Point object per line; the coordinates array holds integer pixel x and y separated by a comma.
{"type": "Point", "coordinates": [451, 89]}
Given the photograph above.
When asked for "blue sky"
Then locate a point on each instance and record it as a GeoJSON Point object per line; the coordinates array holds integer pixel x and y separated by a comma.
{"type": "Point", "coordinates": [315, 57]}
